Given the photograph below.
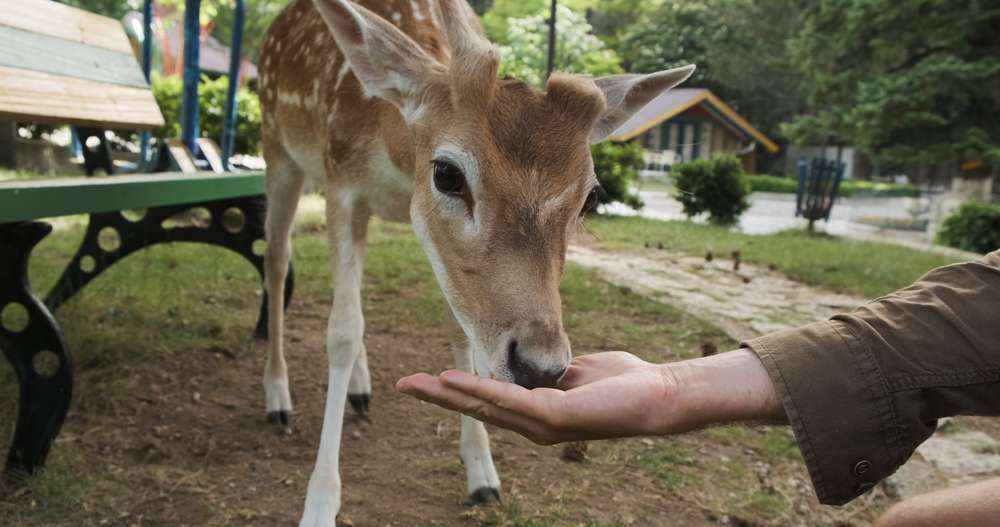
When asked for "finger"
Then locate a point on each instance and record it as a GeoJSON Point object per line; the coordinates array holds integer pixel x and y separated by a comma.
{"type": "Point", "coordinates": [586, 369]}
{"type": "Point", "coordinates": [431, 389]}
{"type": "Point", "coordinates": [502, 394]}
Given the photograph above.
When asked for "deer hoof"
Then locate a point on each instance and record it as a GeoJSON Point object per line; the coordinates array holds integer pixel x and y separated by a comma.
{"type": "Point", "coordinates": [359, 401]}
{"type": "Point", "coordinates": [483, 495]}
{"type": "Point", "coordinates": [278, 417]}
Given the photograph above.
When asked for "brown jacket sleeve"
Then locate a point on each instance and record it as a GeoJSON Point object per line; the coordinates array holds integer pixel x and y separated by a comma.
{"type": "Point", "coordinates": [864, 389]}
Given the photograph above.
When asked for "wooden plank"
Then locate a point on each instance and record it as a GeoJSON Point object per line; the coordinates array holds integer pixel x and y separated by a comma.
{"type": "Point", "coordinates": [45, 98]}
{"type": "Point", "coordinates": [182, 156]}
{"type": "Point", "coordinates": [212, 154]}
{"type": "Point", "coordinates": [37, 52]}
{"type": "Point", "coordinates": [23, 200]}
{"type": "Point", "coordinates": [68, 23]}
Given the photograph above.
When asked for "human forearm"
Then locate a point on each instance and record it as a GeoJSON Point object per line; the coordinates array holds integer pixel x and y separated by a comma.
{"type": "Point", "coordinates": [724, 388]}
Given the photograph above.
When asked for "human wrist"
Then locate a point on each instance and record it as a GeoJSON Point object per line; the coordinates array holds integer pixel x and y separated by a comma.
{"type": "Point", "coordinates": [724, 388]}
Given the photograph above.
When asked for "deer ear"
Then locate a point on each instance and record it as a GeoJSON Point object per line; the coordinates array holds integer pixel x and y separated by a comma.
{"type": "Point", "coordinates": [388, 63]}
{"type": "Point", "coordinates": [627, 94]}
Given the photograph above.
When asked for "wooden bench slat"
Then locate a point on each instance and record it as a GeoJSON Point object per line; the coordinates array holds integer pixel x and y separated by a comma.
{"type": "Point", "coordinates": [23, 200]}
{"type": "Point", "coordinates": [23, 49]}
{"type": "Point", "coordinates": [45, 98]}
{"type": "Point", "coordinates": [65, 22]}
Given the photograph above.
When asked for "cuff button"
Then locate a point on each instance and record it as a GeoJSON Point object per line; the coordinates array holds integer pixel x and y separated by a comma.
{"type": "Point", "coordinates": [861, 467]}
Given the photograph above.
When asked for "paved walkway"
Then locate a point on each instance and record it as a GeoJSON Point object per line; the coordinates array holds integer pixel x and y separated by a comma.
{"type": "Point", "coordinates": [754, 301]}
{"type": "Point", "coordinates": [744, 303]}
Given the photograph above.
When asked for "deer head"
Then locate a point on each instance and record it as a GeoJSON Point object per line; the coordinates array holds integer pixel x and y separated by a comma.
{"type": "Point", "coordinates": [503, 175]}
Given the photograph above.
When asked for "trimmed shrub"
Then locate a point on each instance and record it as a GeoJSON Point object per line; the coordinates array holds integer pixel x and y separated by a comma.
{"type": "Point", "coordinates": [617, 166]}
{"type": "Point", "coordinates": [973, 227]}
{"type": "Point", "coordinates": [765, 183]}
{"type": "Point", "coordinates": [212, 96]}
{"type": "Point", "coordinates": [857, 187]}
{"type": "Point", "coordinates": [718, 187]}
{"type": "Point", "coordinates": [848, 188]}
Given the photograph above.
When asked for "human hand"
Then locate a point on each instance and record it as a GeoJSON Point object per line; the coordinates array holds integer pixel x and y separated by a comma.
{"type": "Point", "coordinates": [612, 394]}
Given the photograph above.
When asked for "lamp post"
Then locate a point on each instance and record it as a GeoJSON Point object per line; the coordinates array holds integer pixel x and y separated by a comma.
{"type": "Point", "coordinates": [552, 41]}
{"type": "Point", "coordinates": [235, 61]}
{"type": "Point", "coordinates": [192, 64]}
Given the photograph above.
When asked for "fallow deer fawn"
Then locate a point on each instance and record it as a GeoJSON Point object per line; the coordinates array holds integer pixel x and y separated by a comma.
{"type": "Point", "coordinates": [395, 106]}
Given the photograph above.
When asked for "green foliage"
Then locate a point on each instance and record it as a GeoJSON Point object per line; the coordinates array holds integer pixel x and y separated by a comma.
{"type": "Point", "coordinates": [718, 187]}
{"type": "Point", "coordinates": [973, 227]}
{"type": "Point", "coordinates": [524, 56]}
{"type": "Point", "coordinates": [738, 46]}
{"type": "Point", "coordinates": [212, 96]}
{"type": "Point", "coordinates": [855, 187]}
{"type": "Point", "coordinates": [617, 166]}
{"type": "Point", "coordinates": [167, 91]}
{"type": "Point", "coordinates": [501, 12]}
{"type": "Point", "coordinates": [259, 15]}
{"type": "Point", "coordinates": [766, 183]}
{"type": "Point", "coordinates": [480, 6]}
{"type": "Point", "coordinates": [906, 81]}
{"type": "Point", "coordinates": [848, 188]}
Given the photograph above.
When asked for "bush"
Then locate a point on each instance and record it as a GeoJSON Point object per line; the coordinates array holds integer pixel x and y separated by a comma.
{"type": "Point", "coordinates": [718, 187]}
{"type": "Point", "coordinates": [617, 166]}
{"type": "Point", "coordinates": [212, 95]}
{"type": "Point", "coordinates": [973, 227]}
{"type": "Point", "coordinates": [848, 188]}
{"type": "Point", "coordinates": [765, 183]}
{"type": "Point", "coordinates": [853, 187]}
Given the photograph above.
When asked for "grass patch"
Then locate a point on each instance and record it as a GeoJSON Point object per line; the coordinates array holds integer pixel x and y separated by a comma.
{"type": "Point", "coordinates": [176, 300]}
{"type": "Point", "coordinates": [864, 268]}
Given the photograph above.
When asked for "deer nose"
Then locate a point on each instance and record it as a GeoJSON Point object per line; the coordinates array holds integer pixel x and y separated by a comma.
{"type": "Point", "coordinates": [540, 357]}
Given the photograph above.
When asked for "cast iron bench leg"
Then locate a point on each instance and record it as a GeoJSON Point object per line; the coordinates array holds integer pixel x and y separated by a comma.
{"type": "Point", "coordinates": [236, 224]}
{"type": "Point", "coordinates": [37, 351]}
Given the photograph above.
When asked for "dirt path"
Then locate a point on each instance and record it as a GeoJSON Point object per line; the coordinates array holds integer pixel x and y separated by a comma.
{"type": "Point", "coordinates": [745, 303]}
{"type": "Point", "coordinates": [754, 301]}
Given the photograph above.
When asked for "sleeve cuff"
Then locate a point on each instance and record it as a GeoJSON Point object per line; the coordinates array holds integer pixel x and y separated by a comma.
{"type": "Point", "coordinates": [837, 402]}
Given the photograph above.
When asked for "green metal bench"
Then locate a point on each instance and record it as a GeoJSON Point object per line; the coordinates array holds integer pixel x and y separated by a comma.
{"type": "Point", "coordinates": [233, 204]}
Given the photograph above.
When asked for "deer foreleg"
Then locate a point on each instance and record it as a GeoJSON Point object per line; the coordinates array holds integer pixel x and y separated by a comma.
{"type": "Point", "coordinates": [474, 443]}
{"type": "Point", "coordinates": [346, 225]}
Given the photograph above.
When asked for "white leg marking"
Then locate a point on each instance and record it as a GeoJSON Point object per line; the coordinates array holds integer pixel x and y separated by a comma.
{"type": "Point", "coordinates": [346, 225]}
{"type": "Point", "coordinates": [474, 443]}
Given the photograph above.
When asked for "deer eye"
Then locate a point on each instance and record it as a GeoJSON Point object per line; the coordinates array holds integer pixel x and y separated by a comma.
{"type": "Point", "coordinates": [448, 178]}
{"type": "Point", "coordinates": [593, 199]}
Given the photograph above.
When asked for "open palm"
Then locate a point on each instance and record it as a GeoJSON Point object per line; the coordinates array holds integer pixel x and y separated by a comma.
{"type": "Point", "coordinates": [603, 395]}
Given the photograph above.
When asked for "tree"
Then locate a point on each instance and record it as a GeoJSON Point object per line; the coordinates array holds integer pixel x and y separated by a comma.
{"type": "Point", "coordinates": [497, 19]}
{"type": "Point", "coordinates": [259, 15]}
{"type": "Point", "coordinates": [577, 49]}
{"type": "Point", "coordinates": [739, 48]}
{"type": "Point", "coordinates": [480, 6]}
{"type": "Point", "coordinates": [908, 82]}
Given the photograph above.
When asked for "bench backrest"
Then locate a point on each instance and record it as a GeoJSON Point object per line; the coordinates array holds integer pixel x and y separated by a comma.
{"type": "Point", "coordinates": [63, 65]}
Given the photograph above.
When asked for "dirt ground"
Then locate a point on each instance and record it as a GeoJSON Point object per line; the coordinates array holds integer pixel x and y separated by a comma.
{"type": "Point", "coordinates": [190, 446]}
{"type": "Point", "coordinates": [179, 438]}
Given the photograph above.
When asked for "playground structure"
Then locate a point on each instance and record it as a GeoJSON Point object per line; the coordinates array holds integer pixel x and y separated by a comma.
{"type": "Point", "coordinates": [191, 74]}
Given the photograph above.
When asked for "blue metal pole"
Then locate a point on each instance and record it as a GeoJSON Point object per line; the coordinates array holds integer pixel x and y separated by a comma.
{"type": "Point", "coordinates": [235, 61]}
{"type": "Point", "coordinates": [147, 63]}
{"type": "Point", "coordinates": [192, 48]}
